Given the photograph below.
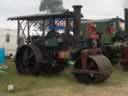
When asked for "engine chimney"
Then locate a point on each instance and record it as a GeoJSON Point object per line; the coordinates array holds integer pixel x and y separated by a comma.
{"type": "Point", "coordinates": [77, 19]}
{"type": "Point", "coordinates": [126, 19]}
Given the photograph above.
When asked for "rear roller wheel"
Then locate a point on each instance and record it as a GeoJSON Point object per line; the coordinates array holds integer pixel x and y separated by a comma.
{"type": "Point", "coordinates": [99, 64]}
{"type": "Point", "coordinates": [28, 60]}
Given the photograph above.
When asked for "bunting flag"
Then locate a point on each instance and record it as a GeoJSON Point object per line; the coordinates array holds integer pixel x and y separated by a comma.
{"type": "Point", "coordinates": [91, 27]}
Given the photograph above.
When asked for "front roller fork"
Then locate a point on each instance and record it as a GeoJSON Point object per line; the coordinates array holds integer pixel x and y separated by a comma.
{"type": "Point", "coordinates": [92, 67]}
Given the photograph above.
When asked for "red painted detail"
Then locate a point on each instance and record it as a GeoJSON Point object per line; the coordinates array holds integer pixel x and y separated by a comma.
{"type": "Point", "coordinates": [94, 36]}
{"type": "Point", "coordinates": [91, 27]}
{"type": "Point", "coordinates": [110, 29]}
{"type": "Point", "coordinates": [84, 57]}
{"type": "Point", "coordinates": [125, 53]}
{"type": "Point", "coordinates": [85, 53]}
{"type": "Point", "coordinates": [124, 58]}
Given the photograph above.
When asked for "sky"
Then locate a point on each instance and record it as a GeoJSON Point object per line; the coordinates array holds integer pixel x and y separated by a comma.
{"type": "Point", "coordinates": [92, 9]}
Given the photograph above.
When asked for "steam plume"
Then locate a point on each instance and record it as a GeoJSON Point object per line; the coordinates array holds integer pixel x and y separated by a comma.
{"type": "Point", "coordinates": [52, 6]}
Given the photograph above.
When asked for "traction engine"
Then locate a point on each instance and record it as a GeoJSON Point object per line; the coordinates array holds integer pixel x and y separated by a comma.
{"type": "Point", "coordinates": [51, 52]}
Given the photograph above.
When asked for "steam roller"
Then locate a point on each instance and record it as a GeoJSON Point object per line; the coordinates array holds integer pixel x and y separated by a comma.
{"type": "Point", "coordinates": [50, 51]}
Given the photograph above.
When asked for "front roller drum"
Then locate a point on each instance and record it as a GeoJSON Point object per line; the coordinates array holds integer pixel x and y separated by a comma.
{"type": "Point", "coordinates": [98, 69]}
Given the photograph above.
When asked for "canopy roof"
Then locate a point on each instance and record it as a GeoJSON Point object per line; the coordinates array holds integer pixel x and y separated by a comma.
{"type": "Point", "coordinates": [39, 16]}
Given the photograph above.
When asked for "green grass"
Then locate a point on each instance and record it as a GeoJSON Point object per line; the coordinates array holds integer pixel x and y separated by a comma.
{"type": "Point", "coordinates": [62, 85]}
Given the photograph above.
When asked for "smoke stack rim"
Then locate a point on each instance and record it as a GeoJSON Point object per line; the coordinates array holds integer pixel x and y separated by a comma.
{"type": "Point", "coordinates": [77, 9]}
{"type": "Point", "coordinates": [77, 6]}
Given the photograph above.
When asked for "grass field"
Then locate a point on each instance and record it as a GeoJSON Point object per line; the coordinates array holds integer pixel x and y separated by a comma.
{"type": "Point", "coordinates": [62, 85]}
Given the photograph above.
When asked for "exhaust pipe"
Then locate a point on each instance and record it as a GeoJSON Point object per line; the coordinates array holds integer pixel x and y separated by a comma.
{"type": "Point", "coordinates": [77, 19]}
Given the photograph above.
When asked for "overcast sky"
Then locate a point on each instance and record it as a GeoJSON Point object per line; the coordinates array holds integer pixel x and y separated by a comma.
{"type": "Point", "coordinates": [92, 9]}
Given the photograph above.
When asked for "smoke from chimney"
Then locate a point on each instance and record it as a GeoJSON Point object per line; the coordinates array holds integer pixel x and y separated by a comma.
{"type": "Point", "coordinates": [52, 6]}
